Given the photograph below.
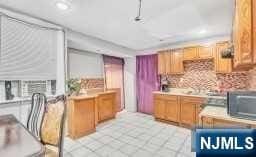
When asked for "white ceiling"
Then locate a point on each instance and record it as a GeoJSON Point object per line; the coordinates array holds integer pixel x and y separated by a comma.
{"type": "Point", "coordinates": [163, 21]}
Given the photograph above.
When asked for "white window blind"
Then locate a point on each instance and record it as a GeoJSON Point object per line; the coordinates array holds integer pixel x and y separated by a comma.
{"type": "Point", "coordinates": [27, 52]}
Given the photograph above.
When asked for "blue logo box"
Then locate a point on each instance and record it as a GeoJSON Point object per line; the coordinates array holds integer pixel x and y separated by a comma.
{"type": "Point", "coordinates": [225, 142]}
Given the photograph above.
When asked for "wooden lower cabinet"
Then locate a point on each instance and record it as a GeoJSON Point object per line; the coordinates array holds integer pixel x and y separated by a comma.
{"type": "Point", "coordinates": [81, 117]}
{"type": "Point", "coordinates": [166, 107]}
{"type": "Point", "coordinates": [106, 106]}
{"type": "Point", "coordinates": [172, 108]}
{"type": "Point", "coordinates": [189, 110]}
{"type": "Point", "coordinates": [179, 109]}
{"type": "Point", "coordinates": [159, 109]}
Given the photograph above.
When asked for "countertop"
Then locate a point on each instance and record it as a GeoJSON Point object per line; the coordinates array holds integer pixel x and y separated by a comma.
{"type": "Point", "coordinates": [182, 92]}
{"type": "Point", "coordinates": [89, 96]}
{"type": "Point", "coordinates": [221, 113]}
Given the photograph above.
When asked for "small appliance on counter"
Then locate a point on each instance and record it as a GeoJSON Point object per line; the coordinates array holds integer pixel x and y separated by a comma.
{"type": "Point", "coordinates": [242, 104]}
{"type": "Point", "coordinates": [165, 85]}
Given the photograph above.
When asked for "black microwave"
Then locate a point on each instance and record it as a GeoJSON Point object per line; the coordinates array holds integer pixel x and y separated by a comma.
{"type": "Point", "coordinates": [242, 104]}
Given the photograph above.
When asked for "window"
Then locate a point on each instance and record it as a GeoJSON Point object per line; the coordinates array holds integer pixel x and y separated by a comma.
{"type": "Point", "coordinates": [28, 59]}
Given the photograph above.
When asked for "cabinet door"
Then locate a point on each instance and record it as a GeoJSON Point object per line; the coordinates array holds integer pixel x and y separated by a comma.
{"type": "Point", "coordinates": [167, 62]}
{"type": "Point", "coordinates": [254, 29]}
{"type": "Point", "coordinates": [206, 52]}
{"type": "Point", "coordinates": [242, 34]}
{"type": "Point", "coordinates": [222, 65]}
{"type": "Point", "coordinates": [84, 114]}
{"type": "Point", "coordinates": [188, 113]}
{"type": "Point", "coordinates": [159, 108]}
{"type": "Point", "coordinates": [177, 62]}
{"type": "Point", "coordinates": [161, 63]}
{"type": "Point", "coordinates": [190, 53]}
{"type": "Point", "coordinates": [172, 110]}
{"type": "Point", "coordinates": [190, 108]}
{"type": "Point", "coordinates": [106, 107]}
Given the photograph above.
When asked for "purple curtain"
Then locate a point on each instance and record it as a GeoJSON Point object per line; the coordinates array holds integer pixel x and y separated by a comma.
{"type": "Point", "coordinates": [147, 82]}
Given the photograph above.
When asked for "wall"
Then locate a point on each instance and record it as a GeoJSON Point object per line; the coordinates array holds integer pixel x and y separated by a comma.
{"type": "Point", "coordinates": [82, 64]}
{"type": "Point", "coordinates": [130, 84]}
{"type": "Point", "coordinates": [201, 74]}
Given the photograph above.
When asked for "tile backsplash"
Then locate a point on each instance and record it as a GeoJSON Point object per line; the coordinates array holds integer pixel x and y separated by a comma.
{"type": "Point", "coordinates": [201, 74]}
{"type": "Point", "coordinates": [90, 83]}
{"type": "Point", "coordinates": [252, 79]}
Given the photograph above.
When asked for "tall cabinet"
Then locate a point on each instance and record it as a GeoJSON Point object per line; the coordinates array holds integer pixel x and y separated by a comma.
{"type": "Point", "coordinates": [243, 34]}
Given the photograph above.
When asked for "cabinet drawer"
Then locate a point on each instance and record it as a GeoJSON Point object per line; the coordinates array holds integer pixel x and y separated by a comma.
{"type": "Point", "coordinates": [166, 97]}
{"type": "Point", "coordinates": [186, 99]}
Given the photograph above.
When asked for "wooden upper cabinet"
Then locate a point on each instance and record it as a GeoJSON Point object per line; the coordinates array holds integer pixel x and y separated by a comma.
{"type": "Point", "coordinates": [177, 62]}
{"type": "Point", "coordinates": [190, 53]}
{"type": "Point", "coordinates": [243, 34]}
{"type": "Point", "coordinates": [164, 62]}
{"type": "Point", "coordinates": [168, 62]}
{"type": "Point", "coordinates": [254, 30]}
{"type": "Point", "coordinates": [206, 52]}
{"type": "Point", "coordinates": [161, 62]}
{"type": "Point", "coordinates": [222, 65]}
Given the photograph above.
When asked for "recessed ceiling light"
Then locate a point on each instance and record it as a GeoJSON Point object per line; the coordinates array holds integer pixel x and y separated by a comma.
{"type": "Point", "coordinates": [62, 5]}
{"type": "Point", "coordinates": [203, 31]}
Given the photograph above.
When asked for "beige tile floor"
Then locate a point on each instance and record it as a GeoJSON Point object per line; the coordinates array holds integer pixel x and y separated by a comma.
{"type": "Point", "coordinates": [132, 135]}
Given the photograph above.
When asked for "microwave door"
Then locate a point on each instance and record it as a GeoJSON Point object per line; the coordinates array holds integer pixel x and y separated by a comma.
{"type": "Point", "coordinates": [246, 106]}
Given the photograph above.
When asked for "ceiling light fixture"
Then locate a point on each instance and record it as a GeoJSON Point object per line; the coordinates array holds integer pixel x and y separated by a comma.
{"type": "Point", "coordinates": [138, 18]}
{"type": "Point", "coordinates": [62, 5]}
{"type": "Point", "coordinates": [203, 31]}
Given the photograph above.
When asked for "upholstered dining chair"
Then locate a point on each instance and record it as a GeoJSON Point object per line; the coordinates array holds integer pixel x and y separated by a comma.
{"type": "Point", "coordinates": [36, 114]}
{"type": "Point", "coordinates": [52, 129]}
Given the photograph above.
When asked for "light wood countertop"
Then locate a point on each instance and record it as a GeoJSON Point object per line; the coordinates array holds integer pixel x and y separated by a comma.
{"type": "Point", "coordinates": [89, 96]}
{"type": "Point", "coordinates": [179, 93]}
{"type": "Point", "coordinates": [221, 113]}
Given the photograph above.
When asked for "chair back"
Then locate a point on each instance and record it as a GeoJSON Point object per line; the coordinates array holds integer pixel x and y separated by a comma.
{"type": "Point", "coordinates": [36, 114]}
{"type": "Point", "coordinates": [53, 123]}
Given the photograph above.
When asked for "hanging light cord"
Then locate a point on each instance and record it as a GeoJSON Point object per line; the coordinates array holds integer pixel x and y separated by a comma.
{"type": "Point", "coordinates": [139, 11]}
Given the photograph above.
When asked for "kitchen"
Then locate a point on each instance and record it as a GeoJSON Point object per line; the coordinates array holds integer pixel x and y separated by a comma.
{"type": "Point", "coordinates": [136, 83]}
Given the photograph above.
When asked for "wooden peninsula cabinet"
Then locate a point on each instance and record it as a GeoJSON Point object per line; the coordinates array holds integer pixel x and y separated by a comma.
{"type": "Point", "coordinates": [81, 116]}
{"type": "Point", "coordinates": [86, 111]}
{"type": "Point", "coordinates": [106, 106]}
